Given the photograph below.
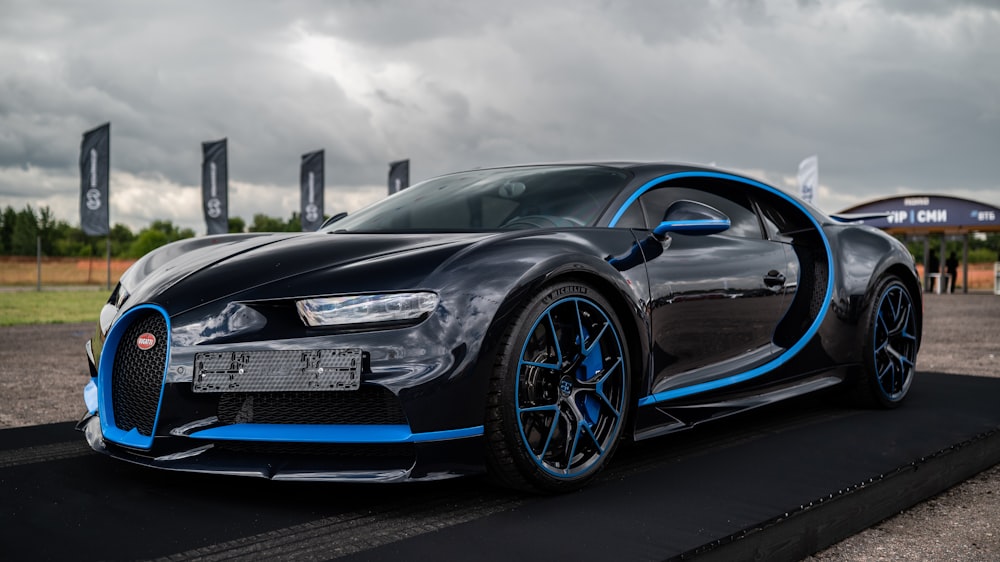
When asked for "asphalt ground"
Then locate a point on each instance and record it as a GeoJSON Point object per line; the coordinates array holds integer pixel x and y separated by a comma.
{"type": "Point", "coordinates": [42, 371]}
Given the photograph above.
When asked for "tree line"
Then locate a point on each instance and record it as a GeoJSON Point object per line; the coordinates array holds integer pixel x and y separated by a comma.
{"type": "Point", "coordinates": [21, 231]}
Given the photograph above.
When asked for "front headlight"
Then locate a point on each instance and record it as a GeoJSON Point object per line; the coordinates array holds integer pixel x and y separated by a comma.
{"type": "Point", "coordinates": [365, 309]}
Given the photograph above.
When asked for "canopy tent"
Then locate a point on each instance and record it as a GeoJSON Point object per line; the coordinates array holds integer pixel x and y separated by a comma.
{"type": "Point", "coordinates": [922, 215]}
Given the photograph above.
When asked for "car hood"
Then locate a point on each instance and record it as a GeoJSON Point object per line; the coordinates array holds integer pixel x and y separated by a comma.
{"type": "Point", "coordinates": [282, 266]}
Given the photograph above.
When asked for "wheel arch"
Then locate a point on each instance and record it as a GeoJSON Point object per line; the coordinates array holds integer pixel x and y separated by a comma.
{"type": "Point", "coordinates": [539, 295]}
{"type": "Point", "coordinates": [867, 385]}
{"type": "Point", "coordinates": [581, 256]}
{"type": "Point", "coordinates": [634, 328]}
{"type": "Point", "coordinates": [628, 313]}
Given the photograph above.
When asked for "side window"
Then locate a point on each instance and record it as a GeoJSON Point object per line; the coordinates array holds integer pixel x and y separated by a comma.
{"type": "Point", "coordinates": [735, 205]}
{"type": "Point", "coordinates": [632, 217]}
{"type": "Point", "coordinates": [770, 218]}
{"type": "Point", "coordinates": [780, 217]}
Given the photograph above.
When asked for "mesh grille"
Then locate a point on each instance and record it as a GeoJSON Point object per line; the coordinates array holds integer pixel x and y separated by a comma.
{"type": "Point", "coordinates": [137, 375]}
{"type": "Point", "coordinates": [370, 405]}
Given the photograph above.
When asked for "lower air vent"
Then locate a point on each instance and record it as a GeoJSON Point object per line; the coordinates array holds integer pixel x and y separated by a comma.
{"type": "Point", "coordinates": [369, 405]}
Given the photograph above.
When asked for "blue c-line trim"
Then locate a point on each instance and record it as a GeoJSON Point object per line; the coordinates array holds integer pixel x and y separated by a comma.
{"type": "Point", "coordinates": [790, 352]}
{"type": "Point", "coordinates": [316, 433]}
{"type": "Point", "coordinates": [132, 437]}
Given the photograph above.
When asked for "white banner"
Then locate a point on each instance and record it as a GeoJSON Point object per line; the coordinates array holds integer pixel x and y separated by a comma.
{"type": "Point", "coordinates": [809, 178]}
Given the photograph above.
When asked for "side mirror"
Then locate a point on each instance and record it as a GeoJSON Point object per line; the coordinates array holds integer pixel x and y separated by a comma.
{"type": "Point", "coordinates": [691, 217]}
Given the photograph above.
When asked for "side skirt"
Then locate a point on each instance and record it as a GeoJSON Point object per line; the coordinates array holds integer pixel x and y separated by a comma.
{"type": "Point", "coordinates": [666, 417]}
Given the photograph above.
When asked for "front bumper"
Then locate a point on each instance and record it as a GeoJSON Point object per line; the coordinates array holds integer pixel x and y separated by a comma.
{"type": "Point", "coordinates": [409, 417]}
{"type": "Point", "coordinates": [344, 455]}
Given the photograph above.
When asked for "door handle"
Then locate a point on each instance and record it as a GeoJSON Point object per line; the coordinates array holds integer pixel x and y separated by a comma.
{"type": "Point", "coordinates": [774, 279]}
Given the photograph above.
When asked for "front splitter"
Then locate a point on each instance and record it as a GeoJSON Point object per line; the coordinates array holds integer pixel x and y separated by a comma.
{"type": "Point", "coordinates": [428, 460]}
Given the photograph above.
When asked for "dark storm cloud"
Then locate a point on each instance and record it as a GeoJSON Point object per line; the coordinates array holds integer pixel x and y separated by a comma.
{"type": "Point", "coordinates": [891, 94]}
{"type": "Point", "coordinates": [166, 81]}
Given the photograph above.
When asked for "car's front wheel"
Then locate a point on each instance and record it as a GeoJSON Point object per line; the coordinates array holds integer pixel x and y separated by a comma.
{"type": "Point", "coordinates": [559, 394]}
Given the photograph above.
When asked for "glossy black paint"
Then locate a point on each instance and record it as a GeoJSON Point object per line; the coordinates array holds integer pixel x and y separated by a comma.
{"type": "Point", "coordinates": [711, 305]}
{"type": "Point", "coordinates": [697, 311]}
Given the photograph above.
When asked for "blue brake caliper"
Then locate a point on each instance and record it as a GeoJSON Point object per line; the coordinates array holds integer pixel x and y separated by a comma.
{"type": "Point", "coordinates": [590, 406]}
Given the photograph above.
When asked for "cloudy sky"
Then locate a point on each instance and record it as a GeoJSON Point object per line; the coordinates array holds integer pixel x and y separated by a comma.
{"type": "Point", "coordinates": [895, 96]}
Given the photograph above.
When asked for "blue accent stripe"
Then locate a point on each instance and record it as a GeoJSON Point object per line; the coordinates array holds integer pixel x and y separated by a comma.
{"type": "Point", "coordinates": [704, 223]}
{"type": "Point", "coordinates": [132, 437]}
{"type": "Point", "coordinates": [348, 434]}
{"type": "Point", "coordinates": [790, 352]}
{"type": "Point", "coordinates": [693, 226]}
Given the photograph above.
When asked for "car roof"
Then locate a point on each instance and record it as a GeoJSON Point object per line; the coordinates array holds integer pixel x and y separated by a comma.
{"type": "Point", "coordinates": [620, 164]}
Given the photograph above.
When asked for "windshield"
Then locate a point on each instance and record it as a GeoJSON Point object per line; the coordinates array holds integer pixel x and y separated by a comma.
{"type": "Point", "coordinates": [502, 198]}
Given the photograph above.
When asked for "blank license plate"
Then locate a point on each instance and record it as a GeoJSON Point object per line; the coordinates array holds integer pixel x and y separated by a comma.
{"type": "Point", "coordinates": [274, 371]}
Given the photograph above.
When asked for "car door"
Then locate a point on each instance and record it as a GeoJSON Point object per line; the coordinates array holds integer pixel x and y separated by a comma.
{"type": "Point", "coordinates": [715, 299]}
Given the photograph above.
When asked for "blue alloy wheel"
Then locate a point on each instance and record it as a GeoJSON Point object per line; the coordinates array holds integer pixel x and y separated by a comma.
{"type": "Point", "coordinates": [895, 342]}
{"type": "Point", "coordinates": [891, 346]}
{"type": "Point", "coordinates": [560, 392]}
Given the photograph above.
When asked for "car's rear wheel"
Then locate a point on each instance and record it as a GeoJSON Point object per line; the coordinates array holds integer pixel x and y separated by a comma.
{"type": "Point", "coordinates": [890, 346]}
{"type": "Point", "coordinates": [559, 394]}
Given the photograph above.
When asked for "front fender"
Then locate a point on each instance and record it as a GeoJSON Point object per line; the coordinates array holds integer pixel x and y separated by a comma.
{"type": "Point", "coordinates": [488, 283]}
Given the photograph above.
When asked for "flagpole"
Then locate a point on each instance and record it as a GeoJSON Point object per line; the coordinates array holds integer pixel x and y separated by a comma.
{"type": "Point", "coordinates": [38, 262]}
{"type": "Point", "coordinates": [108, 239]}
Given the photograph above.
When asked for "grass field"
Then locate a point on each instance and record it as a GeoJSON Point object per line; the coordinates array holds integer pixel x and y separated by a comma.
{"type": "Point", "coordinates": [50, 307]}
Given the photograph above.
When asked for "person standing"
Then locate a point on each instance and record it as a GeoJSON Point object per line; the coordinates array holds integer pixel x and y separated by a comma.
{"type": "Point", "coordinates": [933, 270]}
{"type": "Point", "coordinates": [951, 268]}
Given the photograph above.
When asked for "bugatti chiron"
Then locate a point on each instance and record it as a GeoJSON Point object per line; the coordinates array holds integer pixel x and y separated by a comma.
{"type": "Point", "coordinates": [521, 321]}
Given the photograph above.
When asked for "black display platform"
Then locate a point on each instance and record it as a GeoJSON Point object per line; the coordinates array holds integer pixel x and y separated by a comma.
{"type": "Point", "coordinates": [779, 483]}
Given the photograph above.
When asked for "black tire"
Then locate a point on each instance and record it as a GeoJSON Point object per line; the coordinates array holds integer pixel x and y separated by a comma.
{"type": "Point", "coordinates": [557, 409]}
{"type": "Point", "coordinates": [889, 350]}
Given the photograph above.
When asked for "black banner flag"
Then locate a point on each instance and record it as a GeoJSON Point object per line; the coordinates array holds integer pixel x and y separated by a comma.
{"type": "Point", "coordinates": [215, 186]}
{"type": "Point", "coordinates": [95, 160]}
{"type": "Point", "coordinates": [311, 182]}
{"type": "Point", "coordinates": [399, 176]}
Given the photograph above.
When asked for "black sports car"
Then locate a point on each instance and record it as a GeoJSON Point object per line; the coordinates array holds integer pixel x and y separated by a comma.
{"type": "Point", "coordinates": [519, 320]}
